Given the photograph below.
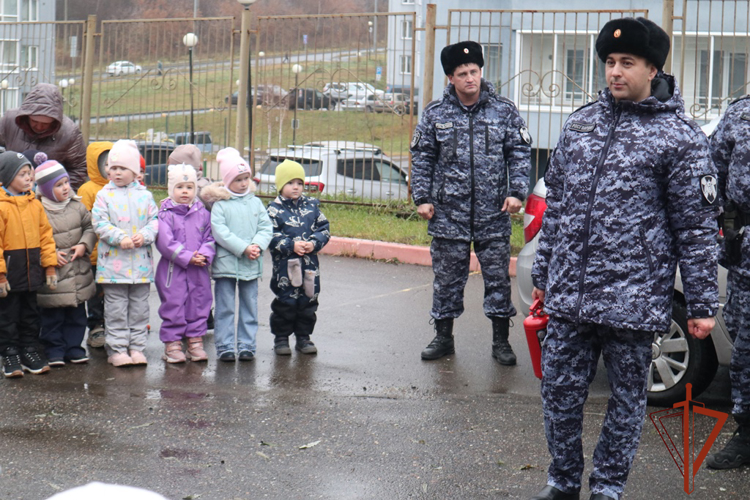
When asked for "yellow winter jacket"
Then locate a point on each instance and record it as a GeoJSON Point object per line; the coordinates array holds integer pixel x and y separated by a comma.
{"type": "Point", "coordinates": [88, 191]}
{"type": "Point", "coordinates": [26, 243]}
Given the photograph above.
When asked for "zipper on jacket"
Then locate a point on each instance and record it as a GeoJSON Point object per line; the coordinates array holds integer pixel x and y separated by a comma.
{"type": "Point", "coordinates": [644, 242]}
{"type": "Point", "coordinates": [587, 223]}
{"type": "Point", "coordinates": [169, 274]}
{"type": "Point", "coordinates": [487, 140]}
{"type": "Point", "coordinates": [471, 163]}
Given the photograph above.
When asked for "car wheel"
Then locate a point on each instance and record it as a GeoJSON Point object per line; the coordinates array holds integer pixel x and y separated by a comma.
{"type": "Point", "coordinates": [398, 110]}
{"type": "Point", "coordinates": [679, 359]}
{"type": "Point", "coordinates": [369, 109]}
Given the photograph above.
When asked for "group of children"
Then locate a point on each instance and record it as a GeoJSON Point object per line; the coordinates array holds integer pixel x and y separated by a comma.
{"type": "Point", "coordinates": [61, 252]}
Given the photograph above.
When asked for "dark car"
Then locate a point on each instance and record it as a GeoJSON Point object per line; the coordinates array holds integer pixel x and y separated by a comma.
{"type": "Point", "coordinates": [156, 155]}
{"type": "Point", "coordinates": [309, 99]}
{"type": "Point", "coordinates": [267, 95]}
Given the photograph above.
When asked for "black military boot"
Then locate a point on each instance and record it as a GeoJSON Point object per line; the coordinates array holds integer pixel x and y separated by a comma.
{"type": "Point", "coordinates": [501, 349]}
{"type": "Point", "coordinates": [737, 451]}
{"type": "Point", "coordinates": [442, 344]}
{"type": "Point", "coordinates": [552, 493]}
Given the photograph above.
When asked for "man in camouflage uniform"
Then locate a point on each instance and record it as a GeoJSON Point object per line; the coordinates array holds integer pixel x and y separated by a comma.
{"type": "Point", "coordinates": [630, 193]}
{"type": "Point", "coordinates": [730, 149]}
{"type": "Point", "coordinates": [470, 171]}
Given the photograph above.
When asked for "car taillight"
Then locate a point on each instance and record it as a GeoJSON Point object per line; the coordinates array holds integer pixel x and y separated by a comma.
{"type": "Point", "coordinates": [257, 181]}
{"type": "Point", "coordinates": [314, 187]}
{"type": "Point", "coordinates": [532, 217]}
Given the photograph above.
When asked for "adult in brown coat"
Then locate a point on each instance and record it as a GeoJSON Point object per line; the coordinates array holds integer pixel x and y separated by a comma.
{"type": "Point", "coordinates": [40, 124]}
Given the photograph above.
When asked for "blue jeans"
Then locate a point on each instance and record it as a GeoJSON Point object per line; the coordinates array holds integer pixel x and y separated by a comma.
{"type": "Point", "coordinates": [247, 327]}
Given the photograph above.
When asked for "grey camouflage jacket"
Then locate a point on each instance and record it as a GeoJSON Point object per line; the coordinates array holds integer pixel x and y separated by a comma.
{"type": "Point", "coordinates": [467, 161]}
{"type": "Point", "coordinates": [730, 149]}
{"type": "Point", "coordinates": [625, 204]}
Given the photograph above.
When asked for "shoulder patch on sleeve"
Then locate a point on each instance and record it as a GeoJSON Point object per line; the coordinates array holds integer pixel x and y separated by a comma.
{"type": "Point", "coordinates": [525, 136]}
{"type": "Point", "coordinates": [415, 139]}
{"type": "Point", "coordinates": [709, 189]}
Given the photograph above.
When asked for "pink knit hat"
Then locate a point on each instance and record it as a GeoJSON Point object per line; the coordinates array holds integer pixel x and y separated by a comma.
{"type": "Point", "coordinates": [231, 165]}
{"type": "Point", "coordinates": [186, 153]}
{"type": "Point", "coordinates": [124, 153]}
{"type": "Point", "coordinates": [178, 174]}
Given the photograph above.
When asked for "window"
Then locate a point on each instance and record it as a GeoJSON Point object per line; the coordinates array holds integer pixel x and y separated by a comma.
{"type": "Point", "coordinates": [727, 72]}
{"type": "Point", "coordinates": [406, 30]}
{"type": "Point", "coordinates": [9, 99]}
{"type": "Point", "coordinates": [407, 2]}
{"type": "Point", "coordinates": [361, 169]}
{"type": "Point", "coordinates": [9, 53]}
{"type": "Point", "coordinates": [30, 57]}
{"type": "Point", "coordinates": [406, 65]}
{"type": "Point", "coordinates": [492, 64]}
{"type": "Point", "coordinates": [574, 70]}
{"type": "Point", "coordinates": [30, 10]}
{"type": "Point", "coordinates": [10, 10]}
{"type": "Point", "coordinates": [312, 168]}
{"type": "Point", "coordinates": [390, 173]}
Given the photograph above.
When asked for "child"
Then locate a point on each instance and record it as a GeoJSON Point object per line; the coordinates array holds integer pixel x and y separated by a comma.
{"type": "Point", "coordinates": [125, 218]}
{"type": "Point", "coordinates": [27, 255]}
{"type": "Point", "coordinates": [96, 164]}
{"type": "Point", "coordinates": [300, 230]}
{"type": "Point", "coordinates": [190, 154]}
{"type": "Point", "coordinates": [242, 229]}
{"type": "Point", "coordinates": [182, 279]}
{"type": "Point", "coordinates": [63, 313]}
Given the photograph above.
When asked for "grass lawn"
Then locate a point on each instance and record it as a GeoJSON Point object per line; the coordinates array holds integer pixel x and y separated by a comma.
{"type": "Point", "coordinates": [396, 224]}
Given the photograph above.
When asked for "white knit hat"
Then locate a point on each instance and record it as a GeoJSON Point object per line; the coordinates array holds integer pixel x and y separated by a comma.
{"type": "Point", "coordinates": [177, 174]}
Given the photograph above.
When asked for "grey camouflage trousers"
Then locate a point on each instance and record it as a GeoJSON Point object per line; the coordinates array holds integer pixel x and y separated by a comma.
{"type": "Point", "coordinates": [737, 319]}
{"type": "Point", "coordinates": [450, 263]}
{"type": "Point", "coordinates": [570, 354]}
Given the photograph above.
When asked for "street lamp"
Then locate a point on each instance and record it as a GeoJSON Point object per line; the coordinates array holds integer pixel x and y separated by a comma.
{"type": "Point", "coordinates": [295, 69]}
{"type": "Point", "coordinates": [245, 85]}
{"type": "Point", "coordinates": [369, 28]}
{"type": "Point", "coordinates": [64, 84]}
{"type": "Point", "coordinates": [191, 40]}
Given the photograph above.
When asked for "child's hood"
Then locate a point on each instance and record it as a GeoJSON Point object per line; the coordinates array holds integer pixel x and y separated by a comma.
{"type": "Point", "coordinates": [93, 152]}
{"type": "Point", "coordinates": [217, 191]}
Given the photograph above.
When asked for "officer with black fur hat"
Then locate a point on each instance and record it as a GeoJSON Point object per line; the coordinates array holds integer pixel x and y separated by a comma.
{"type": "Point", "coordinates": [631, 192]}
{"type": "Point", "coordinates": [470, 171]}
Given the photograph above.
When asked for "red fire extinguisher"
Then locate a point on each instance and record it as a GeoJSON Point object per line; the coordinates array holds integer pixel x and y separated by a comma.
{"type": "Point", "coordinates": [536, 329]}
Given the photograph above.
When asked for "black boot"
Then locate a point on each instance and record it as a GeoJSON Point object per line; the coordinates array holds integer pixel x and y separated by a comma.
{"type": "Point", "coordinates": [442, 344]}
{"type": "Point", "coordinates": [501, 349]}
{"type": "Point", "coordinates": [552, 493]}
{"type": "Point", "coordinates": [737, 451]}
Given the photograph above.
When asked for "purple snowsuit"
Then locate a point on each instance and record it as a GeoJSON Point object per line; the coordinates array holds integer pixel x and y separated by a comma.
{"type": "Point", "coordinates": [184, 289]}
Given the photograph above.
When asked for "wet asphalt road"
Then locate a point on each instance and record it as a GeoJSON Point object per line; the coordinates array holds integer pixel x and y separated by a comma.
{"type": "Point", "coordinates": [379, 422]}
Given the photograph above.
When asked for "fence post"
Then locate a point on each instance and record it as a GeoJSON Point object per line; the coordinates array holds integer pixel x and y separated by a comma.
{"type": "Point", "coordinates": [88, 78]}
{"type": "Point", "coordinates": [667, 23]}
{"type": "Point", "coordinates": [242, 99]}
{"type": "Point", "coordinates": [429, 53]}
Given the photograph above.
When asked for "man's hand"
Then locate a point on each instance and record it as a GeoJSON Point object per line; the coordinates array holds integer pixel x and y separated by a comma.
{"type": "Point", "coordinates": [426, 210]}
{"type": "Point", "coordinates": [138, 240]}
{"type": "Point", "coordinates": [512, 205]}
{"type": "Point", "coordinates": [127, 243]}
{"type": "Point", "coordinates": [700, 327]}
{"type": "Point", "coordinates": [252, 252]}
{"type": "Point", "coordinates": [536, 293]}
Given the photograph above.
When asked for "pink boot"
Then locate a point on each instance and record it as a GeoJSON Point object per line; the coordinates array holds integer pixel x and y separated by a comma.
{"type": "Point", "coordinates": [138, 357]}
{"type": "Point", "coordinates": [120, 359]}
{"type": "Point", "coordinates": [195, 349]}
{"type": "Point", "coordinates": [173, 352]}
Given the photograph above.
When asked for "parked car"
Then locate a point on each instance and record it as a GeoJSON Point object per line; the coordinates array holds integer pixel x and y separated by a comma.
{"type": "Point", "coordinates": [309, 99]}
{"type": "Point", "coordinates": [393, 103]}
{"type": "Point", "coordinates": [678, 358]}
{"type": "Point", "coordinates": [368, 103]}
{"type": "Point", "coordinates": [119, 68]}
{"type": "Point", "coordinates": [339, 91]}
{"type": "Point", "coordinates": [267, 95]}
{"type": "Point", "coordinates": [340, 167]}
{"type": "Point", "coordinates": [156, 155]}
{"type": "Point", "coordinates": [202, 139]}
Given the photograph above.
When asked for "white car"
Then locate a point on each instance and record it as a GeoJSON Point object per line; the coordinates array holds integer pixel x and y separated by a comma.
{"type": "Point", "coordinates": [677, 358]}
{"type": "Point", "coordinates": [119, 68]}
{"type": "Point", "coordinates": [338, 91]}
{"type": "Point", "coordinates": [368, 104]}
{"type": "Point", "coordinates": [339, 168]}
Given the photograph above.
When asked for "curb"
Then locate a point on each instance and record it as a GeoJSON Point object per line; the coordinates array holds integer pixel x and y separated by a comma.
{"type": "Point", "coordinates": [382, 250]}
